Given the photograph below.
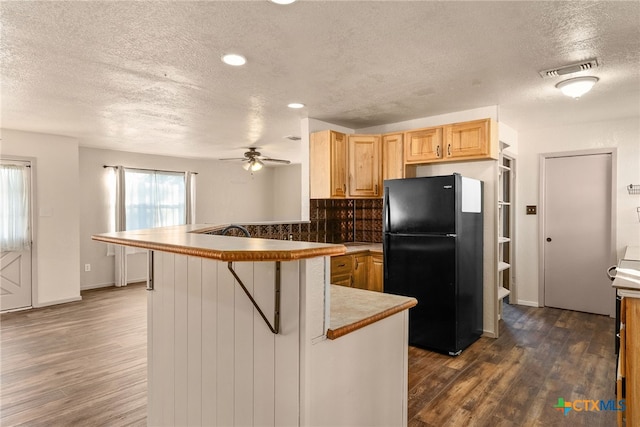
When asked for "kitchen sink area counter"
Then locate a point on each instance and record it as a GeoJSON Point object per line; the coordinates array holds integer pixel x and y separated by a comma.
{"type": "Point", "coordinates": [242, 331]}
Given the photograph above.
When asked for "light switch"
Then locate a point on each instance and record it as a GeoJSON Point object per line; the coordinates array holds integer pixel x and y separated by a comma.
{"type": "Point", "coordinates": [532, 209]}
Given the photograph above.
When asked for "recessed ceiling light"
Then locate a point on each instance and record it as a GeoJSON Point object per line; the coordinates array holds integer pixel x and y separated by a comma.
{"type": "Point", "coordinates": [234, 59]}
{"type": "Point", "coordinates": [282, 1]}
{"type": "Point", "coordinates": [295, 105]}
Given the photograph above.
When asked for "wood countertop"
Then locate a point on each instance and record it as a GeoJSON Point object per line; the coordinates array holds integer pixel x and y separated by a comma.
{"type": "Point", "coordinates": [355, 247]}
{"type": "Point", "coordinates": [190, 240]}
{"type": "Point", "coordinates": [352, 309]}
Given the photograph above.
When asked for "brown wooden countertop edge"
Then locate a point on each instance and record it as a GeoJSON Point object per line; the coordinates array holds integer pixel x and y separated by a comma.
{"type": "Point", "coordinates": [220, 255]}
{"type": "Point", "coordinates": [332, 334]}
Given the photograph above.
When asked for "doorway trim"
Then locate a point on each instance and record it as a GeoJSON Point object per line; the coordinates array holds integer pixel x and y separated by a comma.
{"type": "Point", "coordinates": [613, 151]}
{"type": "Point", "coordinates": [33, 223]}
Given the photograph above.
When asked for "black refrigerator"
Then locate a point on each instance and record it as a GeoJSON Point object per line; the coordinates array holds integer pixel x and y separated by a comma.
{"type": "Point", "coordinates": [433, 246]}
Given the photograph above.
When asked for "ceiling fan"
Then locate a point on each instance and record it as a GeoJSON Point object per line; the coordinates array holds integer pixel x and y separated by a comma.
{"type": "Point", "coordinates": [255, 161]}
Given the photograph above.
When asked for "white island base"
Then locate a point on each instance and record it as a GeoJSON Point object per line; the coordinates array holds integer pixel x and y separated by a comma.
{"type": "Point", "coordinates": [213, 361]}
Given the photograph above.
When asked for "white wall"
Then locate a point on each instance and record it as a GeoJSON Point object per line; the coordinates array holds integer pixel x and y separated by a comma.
{"type": "Point", "coordinates": [225, 193]}
{"type": "Point", "coordinates": [287, 193]}
{"type": "Point", "coordinates": [623, 134]}
{"type": "Point", "coordinates": [56, 212]}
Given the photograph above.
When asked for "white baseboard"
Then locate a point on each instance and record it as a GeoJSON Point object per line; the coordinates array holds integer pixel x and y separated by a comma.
{"type": "Point", "coordinates": [527, 303]}
{"type": "Point", "coordinates": [108, 285]}
{"type": "Point", "coordinates": [59, 301]}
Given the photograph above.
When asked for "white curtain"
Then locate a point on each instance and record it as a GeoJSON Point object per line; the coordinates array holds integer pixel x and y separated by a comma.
{"type": "Point", "coordinates": [14, 199]}
{"type": "Point", "coordinates": [190, 181]}
{"type": "Point", "coordinates": [121, 225]}
{"type": "Point", "coordinates": [149, 199]}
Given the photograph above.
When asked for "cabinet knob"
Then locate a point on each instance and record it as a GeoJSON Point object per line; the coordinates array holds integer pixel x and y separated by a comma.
{"type": "Point", "coordinates": [548, 239]}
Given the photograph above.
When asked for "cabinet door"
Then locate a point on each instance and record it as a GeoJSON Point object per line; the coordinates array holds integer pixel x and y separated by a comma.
{"type": "Point", "coordinates": [376, 273]}
{"type": "Point", "coordinates": [360, 267]}
{"type": "Point", "coordinates": [392, 156]}
{"type": "Point", "coordinates": [338, 164]}
{"type": "Point", "coordinates": [327, 165]}
{"type": "Point", "coordinates": [469, 139]}
{"type": "Point", "coordinates": [423, 145]}
{"type": "Point", "coordinates": [364, 166]}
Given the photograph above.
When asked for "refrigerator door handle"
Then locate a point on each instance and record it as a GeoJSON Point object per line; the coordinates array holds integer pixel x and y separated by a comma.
{"type": "Point", "coordinates": [386, 213]}
{"type": "Point", "coordinates": [384, 256]}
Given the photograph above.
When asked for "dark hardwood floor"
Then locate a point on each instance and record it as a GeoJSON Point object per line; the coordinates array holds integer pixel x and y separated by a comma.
{"type": "Point", "coordinates": [84, 364]}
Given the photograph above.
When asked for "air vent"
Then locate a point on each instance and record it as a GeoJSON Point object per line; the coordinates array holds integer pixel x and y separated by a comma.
{"type": "Point", "coordinates": [293, 137]}
{"type": "Point", "coordinates": [570, 69]}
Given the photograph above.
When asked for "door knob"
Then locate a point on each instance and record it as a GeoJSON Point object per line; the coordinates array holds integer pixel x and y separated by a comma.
{"type": "Point", "coordinates": [548, 239]}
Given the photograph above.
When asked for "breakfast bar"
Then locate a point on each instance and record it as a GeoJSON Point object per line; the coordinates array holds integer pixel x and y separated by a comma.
{"type": "Point", "coordinates": [245, 331]}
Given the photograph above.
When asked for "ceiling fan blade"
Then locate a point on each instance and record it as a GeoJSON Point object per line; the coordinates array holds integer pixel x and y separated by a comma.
{"type": "Point", "coordinates": [268, 159]}
{"type": "Point", "coordinates": [235, 158]}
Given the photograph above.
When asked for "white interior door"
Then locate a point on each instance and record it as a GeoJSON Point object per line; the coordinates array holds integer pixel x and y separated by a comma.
{"type": "Point", "coordinates": [15, 235]}
{"type": "Point", "coordinates": [577, 233]}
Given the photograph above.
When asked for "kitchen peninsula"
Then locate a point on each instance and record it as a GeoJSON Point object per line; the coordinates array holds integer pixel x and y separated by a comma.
{"type": "Point", "coordinates": [299, 351]}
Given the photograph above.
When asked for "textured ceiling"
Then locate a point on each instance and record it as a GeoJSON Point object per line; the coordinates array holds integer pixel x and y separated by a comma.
{"type": "Point", "coordinates": [147, 76]}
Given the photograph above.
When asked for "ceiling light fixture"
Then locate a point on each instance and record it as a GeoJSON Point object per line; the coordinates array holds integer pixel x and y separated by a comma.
{"type": "Point", "coordinates": [295, 105]}
{"type": "Point", "coordinates": [253, 165]}
{"type": "Point", "coordinates": [283, 1]}
{"type": "Point", "coordinates": [577, 86]}
{"type": "Point", "coordinates": [234, 59]}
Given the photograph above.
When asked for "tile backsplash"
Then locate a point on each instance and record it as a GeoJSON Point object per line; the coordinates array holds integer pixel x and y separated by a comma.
{"type": "Point", "coordinates": [330, 221]}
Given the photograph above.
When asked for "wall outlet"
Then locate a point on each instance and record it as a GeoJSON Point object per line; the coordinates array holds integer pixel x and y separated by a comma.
{"type": "Point", "coordinates": [532, 210]}
{"type": "Point", "coordinates": [87, 267]}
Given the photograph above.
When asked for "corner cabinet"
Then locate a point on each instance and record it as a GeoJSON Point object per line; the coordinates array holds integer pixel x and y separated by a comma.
{"type": "Point", "coordinates": [365, 166]}
{"type": "Point", "coordinates": [360, 270]}
{"type": "Point", "coordinates": [328, 165]}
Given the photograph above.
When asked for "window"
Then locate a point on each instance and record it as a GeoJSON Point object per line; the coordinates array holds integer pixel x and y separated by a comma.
{"type": "Point", "coordinates": [154, 199]}
{"type": "Point", "coordinates": [14, 199]}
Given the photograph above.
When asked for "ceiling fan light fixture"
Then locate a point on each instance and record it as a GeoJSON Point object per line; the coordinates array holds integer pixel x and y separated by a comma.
{"type": "Point", "coordinates": [577, 86]}
{"type": "Point", "coordinates": [234, 59]}
{"type": "Point", "coordinates": [256, 165]}
{"type": "Point", "coordinates": [295, 105]}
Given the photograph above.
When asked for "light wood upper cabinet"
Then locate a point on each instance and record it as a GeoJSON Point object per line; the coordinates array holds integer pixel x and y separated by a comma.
{"type": "Point", "coordinates": [470, 140]}
{"type": "Point", "coordinates": [327, 165]}
{"type": "Point", "coordinates": [423, 145]}
{"type": "Point", "coordinates": [392, 156]}
{"type": "Point", "coordinates": [365, 163]}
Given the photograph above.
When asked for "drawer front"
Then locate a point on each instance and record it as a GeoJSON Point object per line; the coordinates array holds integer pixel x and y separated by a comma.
{"type": "Point", "coordinates": [341, 265]}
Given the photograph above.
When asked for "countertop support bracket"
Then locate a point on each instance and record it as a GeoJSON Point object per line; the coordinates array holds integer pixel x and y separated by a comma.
{"type": "Point", "coordinates": [276, 312]}
{"type": "Point", "coordinates": [150, 276]}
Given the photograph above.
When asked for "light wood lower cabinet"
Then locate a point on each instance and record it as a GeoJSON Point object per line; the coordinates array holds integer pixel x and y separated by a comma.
{"type": "Point", "coordinates": [376, 272]}
{"type": "Point", "coordinates": [360, 270]}
{"type": "Point", "coordinates": [629, 362]}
